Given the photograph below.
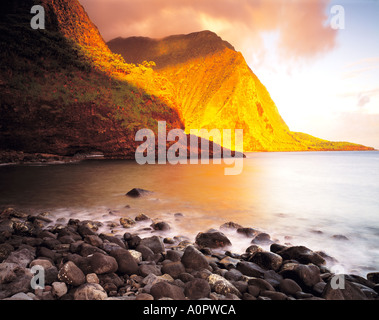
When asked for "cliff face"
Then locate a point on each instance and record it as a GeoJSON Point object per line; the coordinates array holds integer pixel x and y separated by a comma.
{"type": "Point", "coordinates": [216, 89]}
{"type": "Point", "coordinates": [64, 92]}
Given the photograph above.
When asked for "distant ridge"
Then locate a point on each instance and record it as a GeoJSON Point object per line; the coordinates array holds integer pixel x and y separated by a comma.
{"type": "Point", "coordinates": [215, 88]}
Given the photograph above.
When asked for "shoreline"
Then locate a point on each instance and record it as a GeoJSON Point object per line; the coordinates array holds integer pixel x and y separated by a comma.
{"type": "Point", "coordinates": [84, 260]}
{"type": "Point", "coordinates": [8, 158]}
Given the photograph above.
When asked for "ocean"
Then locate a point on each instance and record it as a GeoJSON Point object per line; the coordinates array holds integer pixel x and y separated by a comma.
{"type": "Point", "coordinates": [327, 201]}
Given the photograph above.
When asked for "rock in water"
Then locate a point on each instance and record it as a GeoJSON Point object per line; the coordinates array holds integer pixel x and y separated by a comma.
{"type": "Point", "coordinates": [301, 254]}
{"type": "Point", "coordinates": [137, 192]}
{"type": "Point", "coordinates": [214, 239]}
{"type": "Point", "coordinates": [127, 222]}
{"type": "Point", "coordinates": [267, 260]}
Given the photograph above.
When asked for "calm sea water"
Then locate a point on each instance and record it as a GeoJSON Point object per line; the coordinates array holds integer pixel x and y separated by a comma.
{"type": "Point", "coordinates": [299, 198]}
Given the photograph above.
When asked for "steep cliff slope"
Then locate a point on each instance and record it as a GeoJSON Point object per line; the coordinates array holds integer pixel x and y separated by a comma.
{"type": "Point", "coordinates": [64, 92]}
{"type": "Point", "coordinates": [216, 89]}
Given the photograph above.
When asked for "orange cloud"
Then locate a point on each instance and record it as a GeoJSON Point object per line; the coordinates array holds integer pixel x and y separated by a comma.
{"type": "Point", "coordinates": [300, 24]}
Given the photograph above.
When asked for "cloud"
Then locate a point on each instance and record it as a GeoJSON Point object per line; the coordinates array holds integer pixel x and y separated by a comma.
{"type": "Point", "coordinates": [300, 24]}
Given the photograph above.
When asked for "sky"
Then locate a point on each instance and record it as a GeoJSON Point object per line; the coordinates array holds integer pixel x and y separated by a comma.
{"type": "Point", "coordinates": [319, 59]}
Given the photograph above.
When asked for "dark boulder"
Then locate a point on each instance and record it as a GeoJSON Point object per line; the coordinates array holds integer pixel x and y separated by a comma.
{"type": "Point", "coordinates": [125, 261]}
{"type": "Point", "coordinates": [165, 289]}
{"type": "Point", "coordinates": [155, 243]}
{"type": "Point", "coordinates": [305, 275]}
{"type": "Point", "coordinates": [301, 254]}
{"type": "Point", "coordinates": [213, 239]}
{"type": "Point", "coordinates": [267, 260]}
{"type": "Point", "coordinates": [250, 269]}
{"type": "Point", "coordinates": [194, 259]}
{"type": "Point", "coordinates": [137, 192]}
{"type": "Point", "coordinates": [197, 289]}
{"type": "Point", "coordinates": [71, 274]}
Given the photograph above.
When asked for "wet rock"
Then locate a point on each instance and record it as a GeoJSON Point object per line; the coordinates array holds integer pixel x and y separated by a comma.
{"type": "Point", "coordinates": [59, 289]}
{"type": "Point", "coordinates": [137, 192]}
{"type": "Point", "coordinates": [273, 295]}
{"type": "Point", "coordinates": [133, 241]}
{"type": "Point", "coordinates": [145, 269]}
{"type": "Point", "coordinates": [71, 274]}
{"type": "Point", "coordinates": [233, 275]}
{"type": "Point", "coordinates": [350, 292]}
{"type": "Point", "coordinates": [87, 250]}
{"type": "Point", "coordinates": [194, 259]}
{"type": "Point", "coordinates": [301, 254]}
{"type": "Point", "coordinates": [261, 284]}
{"type": "Point", "coordinates": [136, 255]}
{"type": "Point", "coordinates": [185, 277]}
{"type": "Point", "coordinates": [100, 263]}
{"type": "Point", "coordinates": [289, 287]}
{"type": "Point", "coordinates": [241, 286]}
{"type": "Point", "coordinates": [93, 240]}
{"type": "Point", "coordinates": [254, 249]}
{"type": "Point", "coordinates": [155, 243]}
{"type": "Point", "coordinates": [373, 277]}
{"type": "Point", "coordinates": [84, 230]}
{"type": "Point", "coordinates": [214, 239]}
{"type": "Point", "coordinates": [174, 255]}
{"type": "Point", "coordinates": [222, 286]}
{"type": "Point", "coordinates": [147, 253]}
{"type": "Point", "coordinates": [267, 260]}
{"type": "Point", "coordinates": [161, 226]}
{"type": "Point", "coordinates": [228, 262]}
{"type": "Point", "coordinates": [127, 222]}
{"type": "Point", "coordinates": [230, 225]}
{"type": "Point", "coordinates": [5, 250]}
{"type": "Point", "coordinates": [247, 232]}
{"type": "Point", "coordinates": [262, 238]}
{"type": "Point", "coordinates": [174, 269]}
{"type": "Point", "coordinates": [305, 275]}
{"type": "Point", "coordinates": [144, 296]}
{"type": "Point", "coordinates": [90, 291]}
{"type": "Point", "coordinates": [141, 217]}
{"type": "Point", "coordinates": [111, 278]}
{"type": "Point", "coordinates": [318, 288]}
{"type": "Point", "coordinates": [13, 279]}
{"type": "Point", "coordinates": [197, 289]}
{"type": "Point", "coordinates": [92, 278]}
{"type": "Point", "coordinates": [21, 257]}
{"type": "Point", "coordinates": [340, 237]}
{"type": "Point", "coordinates": [45, 252]}
{"type": "Point", "coordinates": [250, 269]}
{"type": "Point", "coordinates": [20, 297]}
{"type": "Point", "coordinates": [125, 261]}
{"type": "Point", "coordinates": [113, 239]}
{"type": "Point", "coordinates": [165, 289]}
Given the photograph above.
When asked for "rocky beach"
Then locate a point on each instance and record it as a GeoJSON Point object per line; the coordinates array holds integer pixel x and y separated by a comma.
{"type": "Point", "coordinates": [87, 260]}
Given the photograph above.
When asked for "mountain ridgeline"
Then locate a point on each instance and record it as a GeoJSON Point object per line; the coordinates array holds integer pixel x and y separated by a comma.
{"type": "Point", "coordinates": [64, 91]}
{"type": "Point", "coordinates": [216, 88]}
